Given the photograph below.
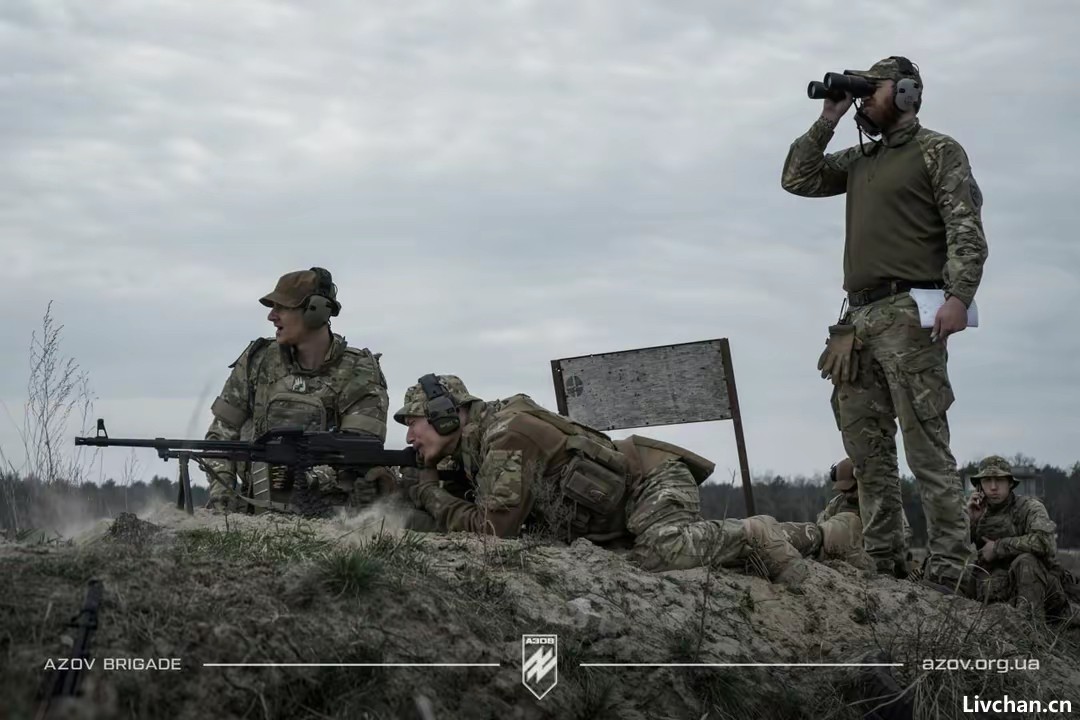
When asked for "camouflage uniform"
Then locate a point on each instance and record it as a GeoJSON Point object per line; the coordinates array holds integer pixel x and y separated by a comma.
{"type": "Point", "coordinates": [1024, 567]}
{"type": "Point", "coordinates": [837, 532]}
{"type": "Point", "coordinates": [913, 220]}
{"type": "Point", "coordinates": [532, 469]}
{"type": "Point", "coordinates": [267, 388]}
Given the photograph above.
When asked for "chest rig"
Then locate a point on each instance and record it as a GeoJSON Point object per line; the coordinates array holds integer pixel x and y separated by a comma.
{"type": "Point", "coordinates": [284, 394]}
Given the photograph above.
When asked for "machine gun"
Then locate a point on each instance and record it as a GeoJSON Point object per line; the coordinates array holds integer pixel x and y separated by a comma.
{"type": "Point", "coordinates": [65, 682]}
{"type": "Point", "coordinates": [291, 447]}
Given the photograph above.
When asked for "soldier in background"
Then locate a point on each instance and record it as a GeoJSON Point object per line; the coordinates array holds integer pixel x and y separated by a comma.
{"type": "Point", "coordinates": [1016, 542]}
{"type": "Point", "coordinates": [532, 470]}
{"type": "Point", "coordinates": [837, 532]}
{"type": "Point", "coordinates": [305, 375]}
{"type": "Point", "coordinates": [913, 221]}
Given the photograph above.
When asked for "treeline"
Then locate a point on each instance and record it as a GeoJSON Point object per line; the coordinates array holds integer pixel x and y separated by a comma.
{"type": "Point", "coordinates": [31, 504]}
{"type": "Point", "coordinates": [28, 503]}
{"type": "Point", "coordinates": [802, 498]}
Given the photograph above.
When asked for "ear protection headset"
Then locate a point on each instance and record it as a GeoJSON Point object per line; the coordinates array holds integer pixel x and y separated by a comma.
{"type": "Point", "coordinates": [321, 305]}
{"type": "Point", "coordinates": [442, 411]}
{"type": "Point", "coordinates": [907, 90]}
{"type": "Point", "coordinates": [832, 474]}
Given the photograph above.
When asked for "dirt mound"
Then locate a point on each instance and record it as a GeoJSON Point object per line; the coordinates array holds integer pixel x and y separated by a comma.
{"type": "Point", "coordinates": [355, 618]}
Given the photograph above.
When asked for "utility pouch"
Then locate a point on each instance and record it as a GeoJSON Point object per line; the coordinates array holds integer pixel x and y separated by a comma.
{"type": "Point", "coordinates": [839, 361]}
{"type": "Point", "coordinates": [595, 476]}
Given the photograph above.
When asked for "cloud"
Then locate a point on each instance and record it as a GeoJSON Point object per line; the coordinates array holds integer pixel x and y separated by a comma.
{"type": "Point", "coordinates": [495, 185]}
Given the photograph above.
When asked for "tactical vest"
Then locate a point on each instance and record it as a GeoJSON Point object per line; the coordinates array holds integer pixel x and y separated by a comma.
{"type": "Point", "coordinates": [281, 393]}
{"type": "Point", "coordinates": [596, 475]}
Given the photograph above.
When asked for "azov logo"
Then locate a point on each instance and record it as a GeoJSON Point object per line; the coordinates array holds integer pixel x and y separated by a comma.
{"type": "Point", "coordinates": [539, 663]}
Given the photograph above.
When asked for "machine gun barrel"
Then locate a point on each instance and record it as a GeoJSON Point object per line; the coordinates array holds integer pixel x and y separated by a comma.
{"type": "Point", "coordinates": [292, 447]}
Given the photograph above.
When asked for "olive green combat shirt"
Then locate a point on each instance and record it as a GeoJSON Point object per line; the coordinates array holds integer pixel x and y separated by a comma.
{"type": "Point", "coordinates": [913, 206]}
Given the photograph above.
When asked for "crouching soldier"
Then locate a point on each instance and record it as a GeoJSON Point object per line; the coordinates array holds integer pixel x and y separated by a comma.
{"type": "Point", "coordinates": [528, 468]}
{"type": "Point", "coordinates": [1016, 542]}
{"type": "Point", "coordinates": [837, 533]}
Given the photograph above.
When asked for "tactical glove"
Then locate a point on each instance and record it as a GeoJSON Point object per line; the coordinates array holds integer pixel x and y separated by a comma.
{"type": "Point", "coordinates": [838, 361]}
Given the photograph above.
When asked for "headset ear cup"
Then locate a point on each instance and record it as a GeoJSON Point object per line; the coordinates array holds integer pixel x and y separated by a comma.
{"type": "Point", "coordinates": [447, 425]}
{"type": "Point", "coordinates": [906, 94]}
{"type": "Point", "coordinates": [317, 311]}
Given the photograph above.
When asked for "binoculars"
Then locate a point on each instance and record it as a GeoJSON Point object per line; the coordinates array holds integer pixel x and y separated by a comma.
{"type": "Point", "coordinates": [835, 85]}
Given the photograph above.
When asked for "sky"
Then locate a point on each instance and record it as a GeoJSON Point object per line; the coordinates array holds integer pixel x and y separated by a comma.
{"type": "Point", "coordinates": [498, 184]}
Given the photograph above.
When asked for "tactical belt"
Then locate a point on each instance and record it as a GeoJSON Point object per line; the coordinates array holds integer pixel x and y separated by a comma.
{"type": "Point", "coordinates": [886, 289]}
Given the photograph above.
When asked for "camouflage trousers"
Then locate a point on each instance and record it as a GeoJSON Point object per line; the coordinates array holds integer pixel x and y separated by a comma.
{"type": "Point", "coordinates": [1025, 581]}
{"type": "Point", "coordinates": [838, 538]}
{"type": "Point", "coordinates": [902, 377]}
{"type": "Point", "coordinates": [664, 516]}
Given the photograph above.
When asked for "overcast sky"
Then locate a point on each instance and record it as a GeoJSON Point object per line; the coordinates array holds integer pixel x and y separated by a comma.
{"type": "Point", "coordinates": [498, 184]}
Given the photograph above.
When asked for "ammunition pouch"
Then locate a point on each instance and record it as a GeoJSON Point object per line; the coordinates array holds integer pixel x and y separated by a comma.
{"type": "Point", "coordinates": [594, 481]}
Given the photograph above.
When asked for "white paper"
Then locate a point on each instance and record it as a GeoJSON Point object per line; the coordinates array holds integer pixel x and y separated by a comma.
{"type": "Point", "coordinates": [930, 300]}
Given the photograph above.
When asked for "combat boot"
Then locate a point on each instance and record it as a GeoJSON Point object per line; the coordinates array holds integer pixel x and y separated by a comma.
{"type": "Point", "coordinates": [779, 560]}
{"type": "Point", "coordinates": [964, 586]}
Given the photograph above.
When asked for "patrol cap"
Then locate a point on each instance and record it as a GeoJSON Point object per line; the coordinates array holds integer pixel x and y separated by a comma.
{"type": "Point", "coordinates": [293, 288]}
{"type": "Point", "coordinates": [843, 475]}
{"type": "Point", "coordinates": [416, 398]}
{"type": "Point", "coordinates": [994, 466]}
{"type": "Point", "coordinates": [889, 68]}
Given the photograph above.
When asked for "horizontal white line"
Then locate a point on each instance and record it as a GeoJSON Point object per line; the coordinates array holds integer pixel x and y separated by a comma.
{"type": "Point", "coordinates": [742, 664]}
{"type": "Point", "coordinates": [272, 664]}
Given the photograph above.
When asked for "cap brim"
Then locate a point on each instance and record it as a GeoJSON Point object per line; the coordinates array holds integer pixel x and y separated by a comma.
{"type": "Point", "coordinates": [276, 298]}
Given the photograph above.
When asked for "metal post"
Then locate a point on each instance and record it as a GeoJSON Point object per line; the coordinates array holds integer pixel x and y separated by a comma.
{"type": "Point", "coordinates": [560, 388]}
{"type": "Point", "coordinates": [736, 418]}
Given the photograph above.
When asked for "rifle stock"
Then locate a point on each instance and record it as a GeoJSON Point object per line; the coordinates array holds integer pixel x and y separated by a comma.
{"type": "Point", "coordinates": [65, 682]}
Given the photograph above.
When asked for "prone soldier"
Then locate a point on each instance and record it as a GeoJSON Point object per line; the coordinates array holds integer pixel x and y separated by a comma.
{"type": "Point", "coordinates": [532, 469]}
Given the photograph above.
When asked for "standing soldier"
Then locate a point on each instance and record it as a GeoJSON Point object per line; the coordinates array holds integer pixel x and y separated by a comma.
{"type": "Point", "coordinates": [913, 221]}
{"type": "Point", "coordinates": [1017, 544]}
{"type": "Point", "coordinates": [532, 469]}
{"type": "Point", "coordinates": [305, 376]}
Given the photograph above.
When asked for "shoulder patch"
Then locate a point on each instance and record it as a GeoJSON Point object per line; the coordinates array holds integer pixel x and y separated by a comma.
{"type": "Point", "coordinates": [253, 347]}
{"type": "Point", "coordinates": [976, 193]}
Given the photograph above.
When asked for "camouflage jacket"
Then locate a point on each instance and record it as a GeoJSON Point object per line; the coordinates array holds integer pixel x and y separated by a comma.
{"type": "Point", "coordinates": [512, 451]}
{"type": "Point", "coordinates": [1019, 525]}
{"type": "Point", "coordinates": [913, 206]}
{"type": "Point", "coordinates": [267, 388]}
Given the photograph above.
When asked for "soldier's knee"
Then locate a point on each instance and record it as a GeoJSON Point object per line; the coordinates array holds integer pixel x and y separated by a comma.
{"type": "Point", "coordinates": [1024, 565]}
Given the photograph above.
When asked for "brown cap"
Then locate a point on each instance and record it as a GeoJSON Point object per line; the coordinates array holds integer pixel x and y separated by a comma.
{"type": "Point", "coordinates": [292, 289]}
{"type": "Point", "coordinates": [843, 475]}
